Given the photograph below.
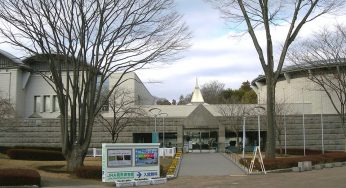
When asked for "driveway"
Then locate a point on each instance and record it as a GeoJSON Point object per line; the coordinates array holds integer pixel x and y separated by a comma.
{"type": "Point", "coordinates": [208, 164]}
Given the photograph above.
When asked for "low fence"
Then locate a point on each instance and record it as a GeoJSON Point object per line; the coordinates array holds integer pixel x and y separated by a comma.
{"type": "Point", "coordinates": [167, 152]}
{"type": "Point", "coordinates": [163, 152]}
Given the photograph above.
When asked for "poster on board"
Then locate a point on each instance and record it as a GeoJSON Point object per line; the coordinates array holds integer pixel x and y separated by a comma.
{"type": "Point", "coordinates": [119, 157]}
{"type": "Point", "coordinates": [146, 156]}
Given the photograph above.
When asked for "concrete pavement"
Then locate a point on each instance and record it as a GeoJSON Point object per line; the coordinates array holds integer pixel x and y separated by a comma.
{"type": "Point", "coordinates": [325, 178]}
{"type": "Point", "coordinates": [207, 164]}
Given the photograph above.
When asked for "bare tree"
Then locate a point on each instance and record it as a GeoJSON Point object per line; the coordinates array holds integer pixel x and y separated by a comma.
{"type": "Point", "coordinates": [322, 59]}
{"type": "Point", "coordinates": [264, 14]}
{"type": "Point", "coordinates": [124, 113]}
{"type": "Point", "coordinates": [92, 39]}
{"type": "Point", "coordinates": [8, 116]}
{"type": "Point", "coordinates": [233, 113]}
{"type": "Point", "coordinates": [211, 92]}
{"type": "Point", "coordinates": [281, 110]}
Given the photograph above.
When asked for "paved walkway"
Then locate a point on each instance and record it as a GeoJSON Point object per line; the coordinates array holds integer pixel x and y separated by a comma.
{"type": "Point", "coordinates": [207, 164]}
{"type": "Point", "coordinates": [333, 177]}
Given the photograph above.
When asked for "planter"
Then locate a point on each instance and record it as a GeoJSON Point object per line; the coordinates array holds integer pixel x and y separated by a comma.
{"type": "Point", "coordinates": [338, 164]}
{"type": "Point", "coordinates": [124, 183]}
{"type": "Point", "coordinates": [155, 181]}
{"type": "Point", "coordinates": [142, 182]}
{"type": "Point", "coordinates": [328, 165]}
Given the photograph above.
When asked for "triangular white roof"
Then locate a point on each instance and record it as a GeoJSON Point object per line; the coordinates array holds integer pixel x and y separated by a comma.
{"type": "Point", "coordinates": [197, 96]}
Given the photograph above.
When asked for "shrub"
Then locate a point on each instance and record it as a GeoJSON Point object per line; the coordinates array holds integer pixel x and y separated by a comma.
{"type": "Point", "coordinates": [18, 177]}
{"type": "Point", "coordinates": [3, 149]}
{"type": "Point", "coordinates": [89, 172]}
{"type": "Point", "coordinates": [299, 151]}
{"type": "Point", "coordinates": [280, 163]}
{"type": "Point", "coordinates": [35, 155]}
{"type": "Point", "coordinates": [335, 157]}
{"type": "Point", "coordinates": [38, 148]}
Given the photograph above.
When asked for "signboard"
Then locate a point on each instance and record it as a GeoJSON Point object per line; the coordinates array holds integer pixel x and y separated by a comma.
{"type": "Point", "coordinates": [146, 157]}
{"type": "Point", "coordinates": [130, 161]}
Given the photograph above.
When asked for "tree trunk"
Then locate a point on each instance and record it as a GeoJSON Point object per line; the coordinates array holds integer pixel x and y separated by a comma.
{"type": "Point", "coordinates": [75, 159]}
{"type": "Point", "coordinates": [270, 145]}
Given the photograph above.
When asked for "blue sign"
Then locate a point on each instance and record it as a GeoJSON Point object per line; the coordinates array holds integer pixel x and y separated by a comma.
{"type": "Point", "coordinates": [154, 137]}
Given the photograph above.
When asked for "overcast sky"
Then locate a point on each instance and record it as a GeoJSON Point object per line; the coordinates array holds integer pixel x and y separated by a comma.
{"type": "Point", "coordinates": [215, 53]}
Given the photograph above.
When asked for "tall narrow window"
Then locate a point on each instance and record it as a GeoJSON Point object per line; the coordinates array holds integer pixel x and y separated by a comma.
{"type": "Point", "coordinates": [37, 103]}
{"type": "Point", "coordinates": [55, 103]}
{"type": "Point", "coordinates": [47, 103]}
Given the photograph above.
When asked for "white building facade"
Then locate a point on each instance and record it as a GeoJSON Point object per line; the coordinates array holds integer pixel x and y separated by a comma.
{"type": "Point", "coordinates": [296, 89]}
{"type": "Point", "coordinates": [33, 97]}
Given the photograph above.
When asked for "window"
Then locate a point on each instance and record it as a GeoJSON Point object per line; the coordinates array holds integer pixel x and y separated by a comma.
{"type": "Point", "coordinates": [47, 103]}
{"type": "Point", "coordinates": [37, 103]}
{"type": "Point", "coordinates": [55, 104]}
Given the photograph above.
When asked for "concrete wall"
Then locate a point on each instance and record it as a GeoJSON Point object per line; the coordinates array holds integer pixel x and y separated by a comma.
{"type": "Point", "coordinates": [46, 132]}
{"type": "Point", "coordinates": [132, 83]}
{"type": "Point", "coordinates": [296, 91]}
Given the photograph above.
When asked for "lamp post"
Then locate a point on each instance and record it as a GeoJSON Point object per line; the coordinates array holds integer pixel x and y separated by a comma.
{"type": "Point", "coordinates": [163, 124]}
{"type": "Point", "coordinates": [259, 109]}
{"type": "Point", "coordinates": [155, 112]}
{"type": "Point", "coordinates": [244, 135]}
{"type": "Point", "coordinates": [303, 120]}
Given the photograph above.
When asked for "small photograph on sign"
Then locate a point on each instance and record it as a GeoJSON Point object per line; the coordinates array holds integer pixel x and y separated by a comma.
{"type": "Point", "coordinates": [145, 157]}
{"type": "Point", "coordinates": [119, 158]}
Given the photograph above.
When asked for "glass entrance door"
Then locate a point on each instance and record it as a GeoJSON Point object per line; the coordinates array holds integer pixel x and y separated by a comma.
{"type": "Point", "coordinates": [201, 140]}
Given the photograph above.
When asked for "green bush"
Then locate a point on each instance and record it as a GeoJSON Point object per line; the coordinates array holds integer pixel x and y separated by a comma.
{"type": "Point", "coordinates": [19, 177]}
{"type": "Point", "coordinates": [89, 172]}
{"type": "Point", "coordinates": [35, 155]}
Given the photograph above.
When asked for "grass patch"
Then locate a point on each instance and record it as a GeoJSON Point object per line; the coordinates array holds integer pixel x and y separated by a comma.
{"type": "Point", "coordinates": [53, 169]}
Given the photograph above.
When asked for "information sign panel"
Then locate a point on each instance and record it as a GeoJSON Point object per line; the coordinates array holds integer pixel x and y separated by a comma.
{"type": "Point", "coordinates": [130, 161]}
{"type": "Point", "coordinates": [146, 156]}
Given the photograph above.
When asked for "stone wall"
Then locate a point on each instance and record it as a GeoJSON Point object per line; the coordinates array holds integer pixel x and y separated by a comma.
{"type": "Point", "coordinates": [46, 132]}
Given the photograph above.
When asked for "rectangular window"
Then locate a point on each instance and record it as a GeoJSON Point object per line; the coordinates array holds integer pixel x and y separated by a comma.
{"type": "Point", "coordinates": [37, 103]}
{"type": "Point", "coordinates": [55, 104]}
{"type": "Point", "coordinates": [47, 103]}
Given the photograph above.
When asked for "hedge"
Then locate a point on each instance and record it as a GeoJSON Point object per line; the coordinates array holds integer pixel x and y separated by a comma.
{"type": "Point", "coordinates": [19, 177]}
{"type": "Point", "coordinates": [89, 172]}
{"type": "Point", "coordinates": [35, 155]}
{"type": "Point", "coordinates": [3, 149]}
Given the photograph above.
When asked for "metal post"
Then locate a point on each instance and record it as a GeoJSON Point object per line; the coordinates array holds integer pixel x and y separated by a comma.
{"type": "Point", "coordinates": [155, 124]}
{"type": "Point", "coordinates": [285, 133]}
{"type": "Point", "coordinates": [244, 137]}
{"type": "Point", "coordinates": [163, 133]}
{"type": "Point", "coordinates": [322, 126]}
{"type": "Point", "coordinates": [285, 126]}
{"type": "Point", "coordinates": [259, 130]}
{"type": "Point", "coordinates": [303, 121]}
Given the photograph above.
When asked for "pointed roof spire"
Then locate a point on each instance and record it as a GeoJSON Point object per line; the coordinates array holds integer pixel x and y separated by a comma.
{"type": "Point", "coordinates": [197, 96]}
{"type": "Point", "coordinates": [196, 86]}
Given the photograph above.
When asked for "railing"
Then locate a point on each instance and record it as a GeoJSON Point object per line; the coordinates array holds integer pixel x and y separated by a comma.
{"type": "Point", "coordinates": [168, 152]}
{"type": "Point", "coordinates": [94, 152]}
